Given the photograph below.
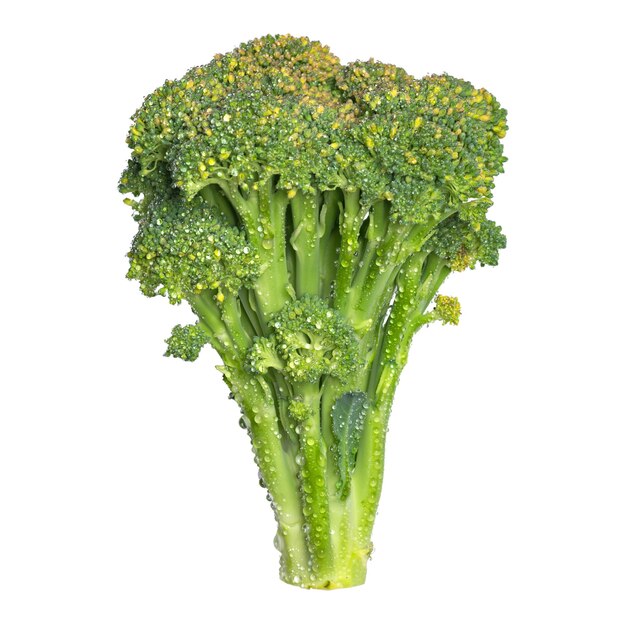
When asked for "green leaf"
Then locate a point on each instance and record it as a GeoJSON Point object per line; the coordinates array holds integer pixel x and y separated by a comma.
{"type": "Point", "coordinates": [348, 415]}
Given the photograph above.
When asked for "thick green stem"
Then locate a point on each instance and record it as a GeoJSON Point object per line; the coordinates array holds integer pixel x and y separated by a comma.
{"type": "Point", "coordinates": [276, 467]}
{"type": "Point", "coordinates": [347, 566]}
{"type": "Point", "coordinates": [366, 263]}
{"type": "Point", "coordinates": [232, 314]}
{"type": "Point", "coordinates": [406, 317]}
{"type": "Point", "coordinates": [312, 460]}
{"type": "Point", "coordinates": [306, 243]}
{"type": "Point", "coordinates": [350, 221]}
{"type": "Point", "coordinates": [380, 269]}
{"type": "Point", "coordinates": [389, 246]}
{"type": "Point", "coordinates": [324, 536]}
{"type": "Point", "coordinates": [273, 287]}
{"type": "Point", "coordinates": [337, 554]}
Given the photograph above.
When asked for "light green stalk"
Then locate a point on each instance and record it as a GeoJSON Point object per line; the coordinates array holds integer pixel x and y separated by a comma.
{"type": "Point", "coordinates": [324, 533]}
{"type": "Point", "coordinates": [305, 241]}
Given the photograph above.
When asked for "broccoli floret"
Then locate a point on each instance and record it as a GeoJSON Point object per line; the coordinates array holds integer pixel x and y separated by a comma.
{"type": "Point", "coordinates": [308, 340]}
{"type": "Point", "coordinates": [447, 309]}
{"type": "Point", "coordinates": [186, 342]}
{"type": "Point", "coordinates": [185, 247]}
{"type": "Point", "coordinates": [462, 245]}
{"type": "Point", "coordinates": [309, 213]}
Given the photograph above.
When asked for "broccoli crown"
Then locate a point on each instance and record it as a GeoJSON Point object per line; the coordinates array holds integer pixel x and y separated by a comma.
{"type": "Point", "coordinates": [285, 105]}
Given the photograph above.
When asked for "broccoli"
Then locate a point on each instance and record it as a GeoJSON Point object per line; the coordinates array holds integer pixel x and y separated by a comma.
{"type": "Point", "coordinates": [309, 212]}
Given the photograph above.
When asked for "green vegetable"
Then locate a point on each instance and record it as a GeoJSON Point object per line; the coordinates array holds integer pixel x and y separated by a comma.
{"type": "Point", "coordinates": [309, 213]}
{"type": "Point", "coordinates": [347, 415]}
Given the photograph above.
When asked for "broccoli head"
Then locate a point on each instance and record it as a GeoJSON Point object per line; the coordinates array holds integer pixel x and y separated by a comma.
{"type": "Point", "coordinates": [309, 212]}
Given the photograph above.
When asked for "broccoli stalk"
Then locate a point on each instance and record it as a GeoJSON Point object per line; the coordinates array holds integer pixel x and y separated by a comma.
{"type": "Point", "coordinates": [309, 213]}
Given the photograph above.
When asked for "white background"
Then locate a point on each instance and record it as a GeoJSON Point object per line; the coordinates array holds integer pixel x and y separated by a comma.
{"type": "Point", "coordinates": [128, 494]}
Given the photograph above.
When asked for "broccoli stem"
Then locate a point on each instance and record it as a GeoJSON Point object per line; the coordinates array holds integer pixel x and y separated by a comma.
{"type": "Point", "coordinates": [421, 282]}
{"type": "Point", "coordinates": [350, 221]}
{"type": "Point", "coordinates": [330, 241]}
{"type": "Point", "coordinates": [366, 265]}
{"type": "Point", "coordinates": [312, 460]}
{"type": "Point", "coordinates": [232, 316]}
{"type": "Point", "coordinates": [273, 286]}
{"type": "Point", "coordinates": [383, 285]}
{"type": "Point", "coordinates": [305, 241]}
{"type": "Point", "coordinates": [276, 467]}
{"type": "Point", "coordinates": [210, 318]}
{"type": "Point", "coordinates": [215, 197]}
{"type": "Point", "coordinates": [317, 537]}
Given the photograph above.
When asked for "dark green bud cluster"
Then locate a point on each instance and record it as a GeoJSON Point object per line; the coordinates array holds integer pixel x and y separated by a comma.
{"type": "Point", "coordinates": [462, 245]}
{"type": "Point", "coordinates": [249, 138]}
{"type": "Point", "coordinates": [308, 340]}
{"type": "Point", "coordinates": [285, 106]}
{"type": "Point", "coordinates": [186, 342]}
{"type": "Point", "coordinates": [183, 248]}
{"type": "Point", "coordinates": [437, 138]}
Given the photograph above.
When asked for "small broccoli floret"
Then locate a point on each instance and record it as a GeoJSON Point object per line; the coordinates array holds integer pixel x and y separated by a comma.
{"type": "Point", "coordinates": [462, 245]}
{"type": "Point", "coordinates": [309, 213]}
{"type": "Point", "coordinates": [308, 340]}
{"type": "Point", "coordinates": [314, 340]}
{"type": "Point", "coordinates": [183, 249]}
{"type": "Point", "coordinates": [300, 411]}
{"type": "Point", "coordinates": [447, 309]}
{"type": "Point", "coordinates": [186, 342]}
